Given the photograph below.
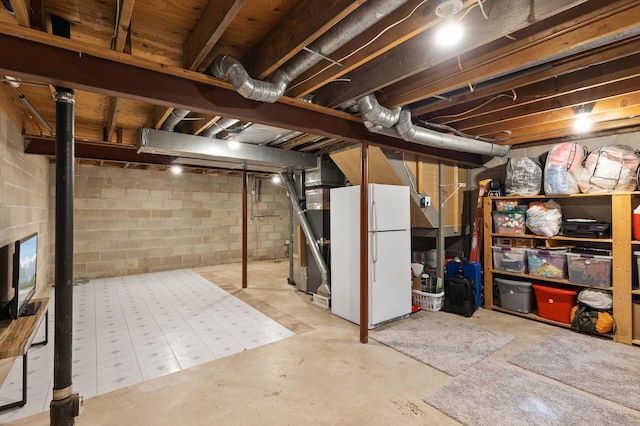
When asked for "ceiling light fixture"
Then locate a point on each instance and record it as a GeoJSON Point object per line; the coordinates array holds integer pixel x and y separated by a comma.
{"type": "Point", "coordinates": [233, 144]}
{"type": "Point", "coordinates": [450, 31]}
{"type": "Point", "coordinates": [176, 170]}
{"type": "Point", "coordinates": [275, 179]}
{"type": "Point", "coordinates": [583, 119]}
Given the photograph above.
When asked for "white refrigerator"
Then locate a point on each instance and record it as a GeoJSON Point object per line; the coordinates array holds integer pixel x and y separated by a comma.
{"type": "Point", "coordinates": [389, 253]}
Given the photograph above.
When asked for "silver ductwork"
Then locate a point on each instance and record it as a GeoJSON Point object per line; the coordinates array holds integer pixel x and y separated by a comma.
{"type": "Point", "coordinates": [324, 289]}
{"type": "Point", "coordinates": [225, 66]}
{"type": "Point", "coordinates": [250, 88]}
{"type": "Point", "coordinates": [174, 118]}
{"type": "Point", "coordinates": [218, 126]}
{"type": "Point", "coordinates": [377, 120]}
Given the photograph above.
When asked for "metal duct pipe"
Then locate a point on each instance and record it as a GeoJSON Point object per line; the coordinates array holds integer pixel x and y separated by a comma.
{"type": "Point", "coordinates": [217, 127]}
{"type": "Point", "coordinates": [174, 118]}
{"type": "Point", "coordinates": [36, 113]}
{"type": "Point", "coordinates": [225, 66]}
{"type": "Point", "coordinates": [405, 129]}
{"type": "Point", "coordinates": [324, 289]}
{"type": "Point", "coordinates": [412, 133]}
{"type": "Point", "coordinates": [372, 111]}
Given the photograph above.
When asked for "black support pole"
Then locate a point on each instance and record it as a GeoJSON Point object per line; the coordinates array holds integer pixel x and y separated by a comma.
{"type": "Point", "coordinates": [64, 405]}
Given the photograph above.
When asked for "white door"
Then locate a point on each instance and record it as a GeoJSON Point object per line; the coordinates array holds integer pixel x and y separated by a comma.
{"type": "Point", "coordinates": [389, 276]}
{"type": "Point", "coordinates": [388, 207]}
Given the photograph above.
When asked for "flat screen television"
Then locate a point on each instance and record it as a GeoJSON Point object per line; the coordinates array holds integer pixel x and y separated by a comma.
{"type": "Point", "coordinates": [24, 273]}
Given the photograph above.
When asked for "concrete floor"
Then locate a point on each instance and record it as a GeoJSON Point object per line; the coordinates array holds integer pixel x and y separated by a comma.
{"type": "Point", "coordinates": [321, 376]}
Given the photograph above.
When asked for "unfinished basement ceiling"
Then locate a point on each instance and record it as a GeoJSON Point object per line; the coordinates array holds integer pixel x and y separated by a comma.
{"type": "Point", "coordinates": [518, 77]}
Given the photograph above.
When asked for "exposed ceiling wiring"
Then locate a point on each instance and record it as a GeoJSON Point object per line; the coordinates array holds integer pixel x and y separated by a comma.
{"type": "Point", "coordinates": [501, 95]}
{"type": "Point", "coordinates": [444, 127]}
{"type": "Point", "coordinates": [363, 46]}
{"type": "Point", "coordinates": [404, 163]}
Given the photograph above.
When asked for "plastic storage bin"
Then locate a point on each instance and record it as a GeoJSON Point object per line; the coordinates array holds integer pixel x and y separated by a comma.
{"type": "Point", "coordinates": [509, 222]}
{"type": "Point", "coordinates": [510, 259]}
{"type": "Point", "coordinates": [555, 303]}
{"type": "Point", "coordinates": [546, 263]}
{"type": "Point", "coordinates": [515, 295]}
{"type": "Point", "coordinates": [589, 269]}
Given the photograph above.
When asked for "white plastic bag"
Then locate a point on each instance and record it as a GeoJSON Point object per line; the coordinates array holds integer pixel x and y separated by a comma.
{"type": "Point", "coordinates": [544, 218]}
{"type": "Point", "coordinates": [596, 299]}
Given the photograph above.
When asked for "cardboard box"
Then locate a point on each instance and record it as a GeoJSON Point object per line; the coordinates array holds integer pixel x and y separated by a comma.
{"type": "Point", "coordinates": [415, 283]}
{"type": "Point", "coordinates": [636, 320]}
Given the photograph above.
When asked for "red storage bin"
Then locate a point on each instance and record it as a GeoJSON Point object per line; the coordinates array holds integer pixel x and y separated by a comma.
{"type": "Point", "coordinates": [555, 303]}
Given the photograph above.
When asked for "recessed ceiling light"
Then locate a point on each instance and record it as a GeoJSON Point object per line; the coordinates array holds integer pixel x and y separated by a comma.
{"type": "Point", "coordinates": [449, 33]}
{"type": "Point", "coordinates": [583, 121]}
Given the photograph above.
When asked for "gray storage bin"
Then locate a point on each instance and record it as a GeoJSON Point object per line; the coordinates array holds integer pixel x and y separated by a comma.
{"type": "Point", "coordinates": [516, 295]}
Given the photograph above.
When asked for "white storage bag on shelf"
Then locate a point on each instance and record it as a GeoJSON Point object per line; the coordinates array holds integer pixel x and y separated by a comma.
{"type": "Point", "coordinates": [562, 168]}
{"type": "Point", "coordinates": [544, 218]}
{"type": "Point", "coordinates": [610, 168]}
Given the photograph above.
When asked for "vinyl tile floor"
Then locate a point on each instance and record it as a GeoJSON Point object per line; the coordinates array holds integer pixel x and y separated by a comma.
{"type": "Point", "coordinates": [127, 330]}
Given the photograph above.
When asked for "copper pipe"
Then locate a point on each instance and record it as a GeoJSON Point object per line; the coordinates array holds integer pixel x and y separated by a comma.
{"type": "Point", "coordinates": [244, 228]}
{"type": "Point", "coordinates": [364, 243]}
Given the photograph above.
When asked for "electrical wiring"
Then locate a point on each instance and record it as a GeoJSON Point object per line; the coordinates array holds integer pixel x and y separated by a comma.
{"type": "Point", "coordinates": [363, 46]}
{"type": "Point", "coordinates": [501, 95]}
{"type": "Point", "coordinates": [404, 163]}
{"type": "Point", "coordinates": [459, 133]}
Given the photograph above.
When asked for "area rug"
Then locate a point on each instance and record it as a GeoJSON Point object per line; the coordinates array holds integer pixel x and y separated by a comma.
{"type": "Point", "coordinates": [599, 366]}
{"type": "Point", "coordinates": [443, 341]}
{"type": "Point", "coordinates": [495, 395]}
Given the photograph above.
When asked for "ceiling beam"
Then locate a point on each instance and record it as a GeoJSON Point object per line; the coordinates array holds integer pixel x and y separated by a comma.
{"type": "Point", "coordinates": [21, 10]}
{"type": "Point", "coordinates": [303, 24]}
{"type": "Point", "coordinates": [139, 80]}
{"type": "Point", "coordinates": [586, 85]}
{"type": "Point", "coordinates": [462, 102]}
{"type": "Point", "coordinates": [419, 53]}
{"type": "Point", "coordinates": [376, 40]}
{"type": "Point", "coordinates": [213, 22]}
{"type": "Point", "coordinates": [94, 150]}
{"type": "Point", "coordinates": [112, 119]}
{"type": "Point", "coordinates": [124, 20]}
{"type": "Point", "coordinates": [556, 43]}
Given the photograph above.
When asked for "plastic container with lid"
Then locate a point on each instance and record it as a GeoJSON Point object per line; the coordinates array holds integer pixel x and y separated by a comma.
{"type": "Point", "coordinates": [515, 295]}
{"type": "Point", "coordinates": [555, 303]}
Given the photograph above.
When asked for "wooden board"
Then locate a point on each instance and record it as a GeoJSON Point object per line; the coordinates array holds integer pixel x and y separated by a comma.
{"type": "Point", "coordinates": [16, 335]}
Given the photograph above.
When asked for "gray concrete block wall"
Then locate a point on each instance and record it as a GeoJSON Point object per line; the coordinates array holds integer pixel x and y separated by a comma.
{"type": "Point", "coordinates": [130, 221]}
{"type": "Point", "coordinates": [24, 204]}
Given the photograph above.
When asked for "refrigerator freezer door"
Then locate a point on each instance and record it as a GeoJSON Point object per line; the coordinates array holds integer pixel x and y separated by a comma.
{"type": "Point", "coordinates": [345, 253]}
{"type": "Point", "coordinates": [388, 207]}
{"type": "Point", "coordinates": [389, 276]}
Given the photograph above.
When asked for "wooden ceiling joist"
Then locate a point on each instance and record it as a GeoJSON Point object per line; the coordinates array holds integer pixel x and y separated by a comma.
{"type": "Point", "coordinates": [295, 32]}
{"type": "Point", "coordinates": [122, 27]}
{"type": "Point", "coordinates": [538, 49]}
{"type": "Point", "coordinates": [21, 10]}
{"type": "Point", "coordinates": [458, 104]}
{"type": "Point", "coordinates": [375, 41]}
{"type": "Point", "coordinates": [403, 62]}
{"type": "Point", "coordinates": [214, 20]}
{"type": "Point", "coordinates": [112, 119]}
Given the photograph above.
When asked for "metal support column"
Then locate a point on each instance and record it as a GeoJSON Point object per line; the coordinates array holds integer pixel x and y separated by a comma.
{"type": "Point", "coordinates": [441, 240]}
{"type": "Point", "coordinates": [364, 243]}
{"type": "Point", "coordinates": [245, 177]}
{"type": "Point", "coordinates": [64, 405]}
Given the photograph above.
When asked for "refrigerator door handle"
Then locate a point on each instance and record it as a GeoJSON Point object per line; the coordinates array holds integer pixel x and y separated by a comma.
{"type": "Point", "coordinates": [374, 256]}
